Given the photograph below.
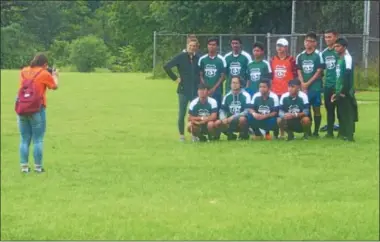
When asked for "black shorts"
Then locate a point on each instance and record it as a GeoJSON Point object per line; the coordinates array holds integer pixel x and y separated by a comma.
{"type": "Point", "coordinates": [294, 125]}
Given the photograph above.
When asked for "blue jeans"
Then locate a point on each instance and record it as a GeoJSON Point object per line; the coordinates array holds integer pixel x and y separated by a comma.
{"type": "Point", "coordinates": [32, 128]}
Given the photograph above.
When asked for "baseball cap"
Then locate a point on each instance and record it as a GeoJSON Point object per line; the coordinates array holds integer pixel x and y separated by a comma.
{"type": "Point", "coordinates": [282, 41]}
{"type": "Point", "coordinates": [294, 82]}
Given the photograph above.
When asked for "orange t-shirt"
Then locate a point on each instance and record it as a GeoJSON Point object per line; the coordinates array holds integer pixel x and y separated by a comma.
{"type": "Point", "coordinates": [283, 71]}
{"type": "Point", "coordinates": [43, 81]}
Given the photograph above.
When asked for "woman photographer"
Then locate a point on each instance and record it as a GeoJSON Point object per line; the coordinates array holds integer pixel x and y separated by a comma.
{"type": "Point", "coordinates": [33, 126]}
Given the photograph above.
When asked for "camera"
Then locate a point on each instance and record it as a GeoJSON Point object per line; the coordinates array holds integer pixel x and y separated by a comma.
{"type": "Point", "coordinates": [50, 70]}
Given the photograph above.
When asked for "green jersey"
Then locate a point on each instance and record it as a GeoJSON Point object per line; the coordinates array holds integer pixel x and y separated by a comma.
{"type": "Point", "coordinates": [212, 69]}
{"type": "Point", "coordinates": [345, 76]}
{"type": "Point", "coordinates": [330, 58]}
{"type": "Point", "coordinates": [234, 104]}
{"type": "Point", "coordinates": [309, 64]}
{"type": "Point", "coordinates": [199, 109]}
{"type": "Point", "coordinates": [257, 70]}
{"type": "Point", "coordinates": [237, 66]}
{"type": "Point", "coordinates": [298, 104]}
{"type": "Point", "coordinates": [265, 106]}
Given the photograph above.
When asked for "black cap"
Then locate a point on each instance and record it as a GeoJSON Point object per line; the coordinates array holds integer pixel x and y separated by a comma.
{"type": "Point", "coordinates": [342, 41]}
{"type": "Point", "coordinates": [202, 86]}
{"type": "Point", "coordinates": [294, 82]}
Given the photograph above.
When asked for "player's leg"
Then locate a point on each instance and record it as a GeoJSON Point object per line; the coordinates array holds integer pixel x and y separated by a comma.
{"type": "Point", "coordinates": [194, 130]}
{"type": "Point", "coordinates": [348, 118]}
{"type": "Point", "coordinates": [38, 132]}
{"type": "Point", "coordinates": [243, 128]}
{"type": "Point", "coordinates": [25, 129]}
{"type": "Point", "coordinates": [232, 127]}
{"type": "Point", "coordinates": [330, 111]}
{"type": "Point", "coordinates": [317, 113]}
{"type": "Point", "coordinates": [342, 118]}
{"type": "Point", "coordinates": [182, 106]}
{"type": "Point", "coordinates": [305, 123]}
{"type": "Point", "coordinates": [212, 130]}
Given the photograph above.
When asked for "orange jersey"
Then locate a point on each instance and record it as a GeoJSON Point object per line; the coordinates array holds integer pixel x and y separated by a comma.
{"type": "Point", "coordinates": [283, 71]}
{"type": "Point", "coordinates": [43, 81]}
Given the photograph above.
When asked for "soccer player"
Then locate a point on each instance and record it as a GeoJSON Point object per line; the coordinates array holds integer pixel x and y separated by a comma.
{"type": "Point", "coordinates": [202, 115]}
{"type": "Point", "coordinates": [188, 80]}
{"type": "Point", "coordinates": [264, 109]}
{"type": "Point", "coordinates": [310, 69]}
{"type": "Point", "coordinates": [212, 70]}
{"type": "Point", "coordinates": [233, 111]}
{"type": "Point", "coordinates": [284, 69]}
{"type": "Point", "coordinates": [344, 95]}
{"type": "Point", "coordinates": [257, 69]}
{"type": "Point", "coordinates": [330, 58]}
{"type": "Point", "coordinates": [237, 63]}
{"type": "Point", "coordinates": [294, 111]}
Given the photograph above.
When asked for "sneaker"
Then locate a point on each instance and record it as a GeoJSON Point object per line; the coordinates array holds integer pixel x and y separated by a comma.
{"type": "Point", "coordinates": [39, 170]}
{"type": "Point", "coordinates": [336, 127]}
{"type": "Point", "coordinates": [268, 136]}
{"type": "Point", "coordinates": [323, 129]}
{"type": "Point", "coordinates": [25, 169]}
{"type": "Point", "coordinates": [195, 139]}
{"type": "Point", "coordinates": [232, 137]}
{"type": "Point", "coordinates": [329, 136]}
{"type": "Point", "coordinates": [315, 135]}
{"type": "Point", "coordinates": [203, 138]}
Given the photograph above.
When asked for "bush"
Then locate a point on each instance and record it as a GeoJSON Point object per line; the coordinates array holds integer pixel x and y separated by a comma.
{"type": "Point", "coordinates": [59, 53]}
{"type": "Point", "coordinates": [88, 52]}
{"type": "Point", "coordinates": [372, 82]}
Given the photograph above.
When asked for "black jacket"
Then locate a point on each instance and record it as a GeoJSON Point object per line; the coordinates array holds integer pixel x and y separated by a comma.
{"type": "Point", "coordinates": [189, 72]}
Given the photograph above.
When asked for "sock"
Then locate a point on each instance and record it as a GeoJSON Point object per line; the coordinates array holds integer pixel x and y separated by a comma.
{"type": "Point", "coordinates": [317, 121]}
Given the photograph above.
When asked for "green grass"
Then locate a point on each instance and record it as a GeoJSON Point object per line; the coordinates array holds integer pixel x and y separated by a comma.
{"type": "Point", "coordinates": [116, 171]}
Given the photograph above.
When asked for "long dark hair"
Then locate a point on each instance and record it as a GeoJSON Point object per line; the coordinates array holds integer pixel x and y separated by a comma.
{"type": "Point", "coordinates": [39, 60]}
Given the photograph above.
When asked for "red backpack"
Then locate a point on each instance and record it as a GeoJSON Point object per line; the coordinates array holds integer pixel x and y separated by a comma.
{"type": "Point", "coordinates": [29, 101]}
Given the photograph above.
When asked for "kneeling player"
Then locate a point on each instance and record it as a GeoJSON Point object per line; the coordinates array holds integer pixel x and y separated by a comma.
{"type": "Point", "coordinates": [202, 115]}
{"type": "Point", "coordinates": [233, 111]}
{"type": "Point", "coordinates": [263, 110]}
{"type": "Point", "coordinates": [294, 111]}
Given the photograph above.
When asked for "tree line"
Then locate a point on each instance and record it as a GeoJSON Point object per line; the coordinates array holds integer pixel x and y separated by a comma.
{"type": "Point", "coordinates": [118, 35]}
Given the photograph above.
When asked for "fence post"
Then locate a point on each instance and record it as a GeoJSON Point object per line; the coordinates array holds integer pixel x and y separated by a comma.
{"type": "Point", "coordinates": [321, 42]}
{"type": "Point", "coordinates": [268, 46]}
{"type": "Point", "coordinates": [367, 6]}
{"type": "Point", "coordinates": [154, 51]}
{"type": "Point", "coordinates": [293, 30]}
{"type": "Point", "coordinates": [254, 38]}
{"type": "Point", "coordinates": [220, 44]}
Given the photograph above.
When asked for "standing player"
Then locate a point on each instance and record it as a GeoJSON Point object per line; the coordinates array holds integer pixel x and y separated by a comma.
{"type": "Point", "coordinates": [237, 62]}
{"type": "Point", "coordinates": [202, 115]}
{"type": "Point", "coordinates": [330, 58]}
{"type": "Point", "coordinates": [294, 111]}
{"type": "Point", "coordinates": [310, 69]}
{"type": "Point", "coordinates": [233, 111]}
{"type": "Point", "coordinates": [212, 70]}
{"type": "Point", "coordinates": [264, 109]}
{"type": "Point", "coordinates": [257, 69]}
{"type": "Point", "coordinates": [344, 94]}
{"type": "Point", "coordinates": [284, 69]}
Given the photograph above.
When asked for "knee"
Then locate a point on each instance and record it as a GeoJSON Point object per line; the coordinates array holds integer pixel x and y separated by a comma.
{"type": "Point", "coordinates": [305, 120]}
{"type": "Point", "coordinates": [224, 122]}
{"type": "Point", "coordinates": [243, 120]}
{"type": "Point", "coordinates": [218, 123]}
{"type": "Point", "coordinates": [210, 125]}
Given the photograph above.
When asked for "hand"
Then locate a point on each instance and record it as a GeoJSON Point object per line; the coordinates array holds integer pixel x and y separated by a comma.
{"type": "Point", "coordinates": [55, 72]}
{"type": "Point", "coordinates": [178, 80]}
{"type": "Point", "coordinates": [333, 98]}
{"type": "Point", "coordinates": [304, 86]}
{"type": "Point", "coordinates": [288, 116]}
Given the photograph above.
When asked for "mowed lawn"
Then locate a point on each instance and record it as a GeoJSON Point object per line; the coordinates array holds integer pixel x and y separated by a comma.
{"type": "Point", "coordinates": [116, 171]}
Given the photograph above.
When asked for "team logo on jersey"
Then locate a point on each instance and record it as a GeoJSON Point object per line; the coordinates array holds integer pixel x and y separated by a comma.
{"type": "Point", "coordinates": [330, 62]}
{"type": "Point", "coordinates": [294, 109]}
{"type": "Point", "coordinates": [255, 74]}
{"type": "Point", "coordinates": [263, 109]}
{"type": "Point", "coordinates": [280, 71]}
{"type": "Point", "coordinates": [235, 107]}
{"type": "Point", "coordinates": [235, 68]}
{"type": "Point", "coordinates": [337, 71]}
{"type": "Point", "coordinates": [203, 113]}
{"type": "Point", "coordinates": [307, 66]}
{"type": "Point", "coordinates": [210, 70]}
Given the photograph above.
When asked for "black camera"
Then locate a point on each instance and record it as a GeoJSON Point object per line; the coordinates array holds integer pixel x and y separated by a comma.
{"type": "Point", "coordinates": [50, 70]}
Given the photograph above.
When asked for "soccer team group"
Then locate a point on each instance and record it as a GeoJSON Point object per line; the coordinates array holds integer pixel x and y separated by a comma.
{"type": "Point", "coordinates": [283, 95]}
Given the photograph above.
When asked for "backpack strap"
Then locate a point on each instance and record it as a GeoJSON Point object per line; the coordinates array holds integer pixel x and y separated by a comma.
{"type": "Point", "coordinates": [34, 77]}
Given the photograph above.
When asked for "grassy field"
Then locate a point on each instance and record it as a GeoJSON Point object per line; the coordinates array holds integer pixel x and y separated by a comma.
{"type": "Point", "coordinates": [116, 171]}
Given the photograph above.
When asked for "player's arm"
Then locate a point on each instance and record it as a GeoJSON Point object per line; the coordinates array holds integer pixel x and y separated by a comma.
{"type": "Point", "coordinates": [222, 75]}
{"type": "Point", "coordinates": [347, 78]}
{"type": "Point", "coordinates": [306, 107]}
{"type": "Point", "coordinates": [318, 73]}
{"type": "Point", "coordinates": [172, 63]}
{"type": "Point", "coordinates": [274, 110]}
{"type": "Point", "coordinates": [214, 111]}
{"type": "Point", "coordinates": [223, 109]}
{"type": "Point", "coordinates": [201, 67]}
{"type": "Point", "coordinates": [281, 109]}
{"type": "Point", "coordinates": [293, 64]}
{"type": "Point", "coordinates": [298, 67]}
